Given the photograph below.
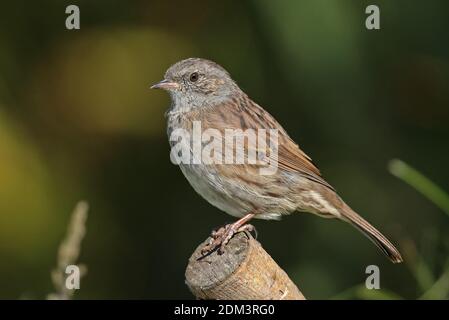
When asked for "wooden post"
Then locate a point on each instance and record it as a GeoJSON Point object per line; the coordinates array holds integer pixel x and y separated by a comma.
{"type": "Point", "coordinates": [244, 271]}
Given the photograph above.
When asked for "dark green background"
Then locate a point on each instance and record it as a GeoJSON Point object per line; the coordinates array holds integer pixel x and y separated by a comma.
{"type": "Point", "coordinates": [78, 121]}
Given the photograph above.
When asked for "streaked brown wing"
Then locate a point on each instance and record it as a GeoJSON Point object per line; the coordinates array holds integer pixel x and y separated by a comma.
{"type": "Point", "coordinates": [243, 113]}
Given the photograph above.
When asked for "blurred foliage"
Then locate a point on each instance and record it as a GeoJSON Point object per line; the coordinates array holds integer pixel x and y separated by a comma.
{"type": "Point", "coordinates": [421, 269]}
{"type": "Point", "coordinates": [68, 270]}
{"type": "Point", "coordinates": [421, 183]}
{"type": "Point", "coordinates": [432, 288]}
{"type": "Point", "coordinates": [77, 121]}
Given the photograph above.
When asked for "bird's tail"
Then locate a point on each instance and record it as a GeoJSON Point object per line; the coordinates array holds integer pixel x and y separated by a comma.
{"type": "Point", "coordinates": [372, 233]}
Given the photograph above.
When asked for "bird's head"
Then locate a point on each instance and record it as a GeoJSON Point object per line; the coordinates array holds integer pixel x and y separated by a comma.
{"type": "Point", "coordinates": [196, 82]}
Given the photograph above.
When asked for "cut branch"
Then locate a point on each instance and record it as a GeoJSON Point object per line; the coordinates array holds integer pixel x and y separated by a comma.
{"type": "Point", "coordinates": [244, 271]}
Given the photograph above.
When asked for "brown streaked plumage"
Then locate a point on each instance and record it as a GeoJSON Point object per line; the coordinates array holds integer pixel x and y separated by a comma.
{"type": "Point", "coordinates": [203, 91]}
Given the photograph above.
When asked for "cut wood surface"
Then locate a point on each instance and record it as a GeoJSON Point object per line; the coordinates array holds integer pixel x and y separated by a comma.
{"type": "Point", "coordinates": [244, 271]}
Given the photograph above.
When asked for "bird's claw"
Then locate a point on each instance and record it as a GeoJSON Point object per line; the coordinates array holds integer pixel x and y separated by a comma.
{"type": "Point", "coordinates": [220, 238]}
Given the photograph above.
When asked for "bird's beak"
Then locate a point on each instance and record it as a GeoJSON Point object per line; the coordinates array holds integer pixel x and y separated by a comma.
{"type": "Point", "coordinates": [166, 85]}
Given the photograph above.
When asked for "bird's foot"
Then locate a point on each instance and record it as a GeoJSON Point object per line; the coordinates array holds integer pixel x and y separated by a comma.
{"type": "Point", "coordinates": [220, 238]}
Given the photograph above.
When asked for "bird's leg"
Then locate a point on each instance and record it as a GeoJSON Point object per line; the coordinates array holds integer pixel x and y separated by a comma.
{"type": "Point", "coordinates": [220, 237]}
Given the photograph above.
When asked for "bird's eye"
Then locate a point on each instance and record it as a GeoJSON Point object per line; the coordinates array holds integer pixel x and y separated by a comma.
{"type": "Point", "coordinates": [194, 77]}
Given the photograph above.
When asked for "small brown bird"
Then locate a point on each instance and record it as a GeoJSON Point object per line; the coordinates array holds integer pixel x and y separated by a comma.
{"type": "Point", "coordinates": [202, 91]}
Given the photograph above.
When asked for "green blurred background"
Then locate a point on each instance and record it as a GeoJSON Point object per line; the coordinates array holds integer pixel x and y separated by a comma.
{"type": "Point", "coordinates": [78, 121]}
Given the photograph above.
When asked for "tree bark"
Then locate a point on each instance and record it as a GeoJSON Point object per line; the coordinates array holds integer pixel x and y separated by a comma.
{"type": "Point", "coordinates": [245, 271]}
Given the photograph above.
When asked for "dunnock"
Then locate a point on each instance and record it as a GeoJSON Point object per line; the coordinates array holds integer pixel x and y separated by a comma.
{"type": "Point", "coordinates": [201, 90]}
